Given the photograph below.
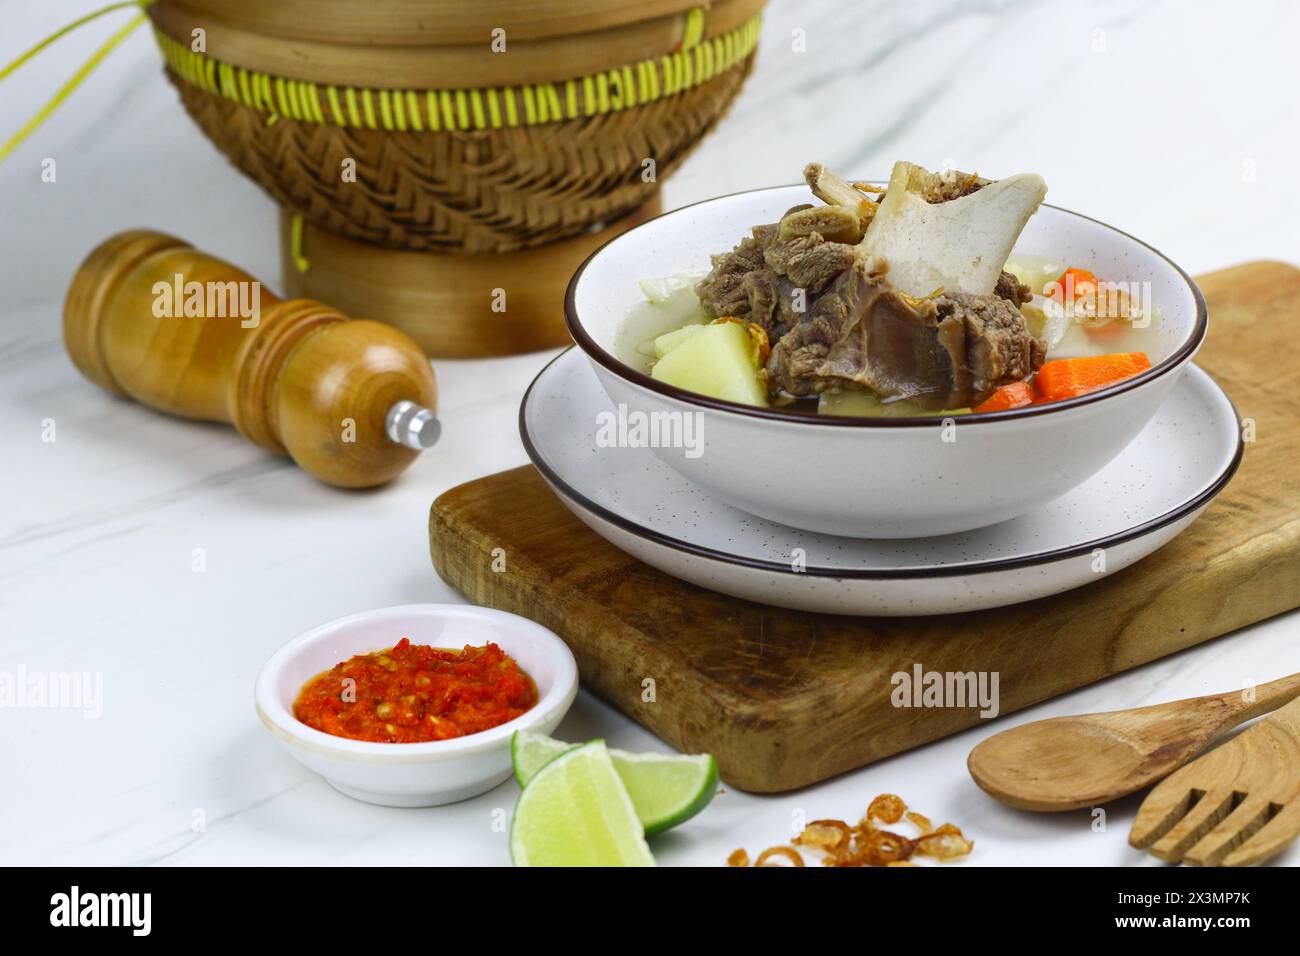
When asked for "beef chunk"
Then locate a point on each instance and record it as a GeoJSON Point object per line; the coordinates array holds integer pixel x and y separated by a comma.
{"type": "Point", "coordinates": [827, 349]}
{"type": "Point", "coordinates": [935, 188]}
{"type": "Point", "coordinates": [759, 289]}
{"type": "Point", "coordinates": [809, 261]}
{"type": "Point", "coordinates": [720, 291]}
{"type": "Point", "coordinates": [989, 343]}
{"type": "Point", "coordinates": [792, 305]}
{"type": "Point", "coordinates": [743, 282]}
{"type": "Point", "coordinates": [945, 186]}
{"type": "Point", "coordinates": [947, 352]}
{"type": "Point", "coordinates": [863, 335]}
{"type": "Point", "coordinates": [772, 302]}
{"type": "Point", "coordinates": [1009, 288]}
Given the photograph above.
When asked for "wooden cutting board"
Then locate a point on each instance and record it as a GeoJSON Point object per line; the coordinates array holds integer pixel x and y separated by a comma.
{"type": "Point", "coordinates": [784, 698]}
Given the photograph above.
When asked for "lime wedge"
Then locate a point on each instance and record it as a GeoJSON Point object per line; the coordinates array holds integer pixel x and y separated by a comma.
{"type": "Point", "coordinates": [529, 752]}
{"type": "Point", "coordinates": [666, 789]}
{"type": "Point", "coordinates": [575, 812]}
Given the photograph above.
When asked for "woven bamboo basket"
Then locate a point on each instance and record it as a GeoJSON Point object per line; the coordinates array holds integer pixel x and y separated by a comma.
{"type": "Point", "coordinates": [503, 139]}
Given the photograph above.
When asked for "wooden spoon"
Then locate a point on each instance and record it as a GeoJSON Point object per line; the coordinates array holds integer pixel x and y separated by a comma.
{"type": "Point", "coordinates": [1070, 762]}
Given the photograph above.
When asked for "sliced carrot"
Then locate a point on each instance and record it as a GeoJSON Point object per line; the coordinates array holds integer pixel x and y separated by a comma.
{"type": "Point", "coordinates": [1067, 378]}
{"type": "Point", "coordinates": [1074, 282]}
{"type": "Point", "coordinates": [1015, 395]}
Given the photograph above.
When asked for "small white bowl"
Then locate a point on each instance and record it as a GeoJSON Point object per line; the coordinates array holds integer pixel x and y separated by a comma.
{"type": "Point", "coordinates": [424, 774]}
{"type": "Point", "coordinates": [881, 477]}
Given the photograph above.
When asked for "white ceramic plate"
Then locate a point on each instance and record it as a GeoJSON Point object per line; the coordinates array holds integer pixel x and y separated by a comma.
{"type": "Point", "coordinates": [1153, 490]}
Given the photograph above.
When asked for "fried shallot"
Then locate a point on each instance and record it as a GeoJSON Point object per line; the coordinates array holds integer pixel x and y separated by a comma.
{"type": "Point", "coordinates": [866, 844]}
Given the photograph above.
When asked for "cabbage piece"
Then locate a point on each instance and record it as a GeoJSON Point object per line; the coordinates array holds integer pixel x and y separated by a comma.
{"type": "Point", "coordinates": [954, 243]}
{"type": "Point", "coordinates": [659, 289]}
{"type": "Point", "coordinates": [1047, 320]}
{"type": "Point", "coordinates": [1035, 272]}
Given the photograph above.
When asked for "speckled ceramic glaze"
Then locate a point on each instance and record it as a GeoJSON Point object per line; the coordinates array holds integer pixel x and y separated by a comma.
{"type": "Point", "coordinates": [1136, 503]}
{"type": "Point", "coordinates": [873, 477]}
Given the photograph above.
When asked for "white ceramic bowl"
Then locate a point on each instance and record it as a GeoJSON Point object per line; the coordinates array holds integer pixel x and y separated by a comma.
{"type": "Point", "coordinates": [425, 774]}
{"type": "Point", "coordinates": [882, 477]}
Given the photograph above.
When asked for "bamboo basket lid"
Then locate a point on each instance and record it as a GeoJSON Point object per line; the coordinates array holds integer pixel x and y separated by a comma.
{"type": "Point", "coordinates": [430, 22]}
{"type": "Point", "coordinates": [392, 44]}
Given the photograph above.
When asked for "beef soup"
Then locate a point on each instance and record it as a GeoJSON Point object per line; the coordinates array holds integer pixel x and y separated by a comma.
{"type": "Point", "coordinates": [916, 323]}
{"type": "Point", "coordinates": [901, 300]}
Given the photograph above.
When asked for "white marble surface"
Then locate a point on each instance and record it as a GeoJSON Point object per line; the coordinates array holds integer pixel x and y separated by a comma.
{"type": "Point", "coordinates": [1171, 120]}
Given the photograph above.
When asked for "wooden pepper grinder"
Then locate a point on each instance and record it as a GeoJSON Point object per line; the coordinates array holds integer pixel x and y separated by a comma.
{"type": "Point", "coordinates": [150, 317]}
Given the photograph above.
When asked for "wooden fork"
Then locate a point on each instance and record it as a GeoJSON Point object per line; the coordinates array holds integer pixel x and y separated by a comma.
{"type": "Point", "coordinates": [1237, 805]}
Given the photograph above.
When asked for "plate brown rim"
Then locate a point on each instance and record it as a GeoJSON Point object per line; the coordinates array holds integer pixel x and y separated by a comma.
{"type": "Point", "coordinates": [1203, 497]}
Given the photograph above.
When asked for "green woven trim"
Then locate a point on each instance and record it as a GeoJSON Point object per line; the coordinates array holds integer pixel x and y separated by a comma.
{"type": "Point", "coordinates": [467, 109]}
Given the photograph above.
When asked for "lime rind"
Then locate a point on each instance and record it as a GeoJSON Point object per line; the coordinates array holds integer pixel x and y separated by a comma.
{"type": "Point", "coordinates": [661, 807]}
{"type": "Point", "coordinates": [665, 789]}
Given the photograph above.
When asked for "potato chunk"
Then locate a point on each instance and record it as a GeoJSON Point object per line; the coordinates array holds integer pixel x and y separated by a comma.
{"type": "Point", "coordinates": [670, 340]}
{"type": "Point", "coordinates": [719, 360]}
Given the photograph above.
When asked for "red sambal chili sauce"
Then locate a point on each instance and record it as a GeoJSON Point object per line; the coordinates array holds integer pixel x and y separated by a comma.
{"type": "Point", "coordinates": [413, 693]}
